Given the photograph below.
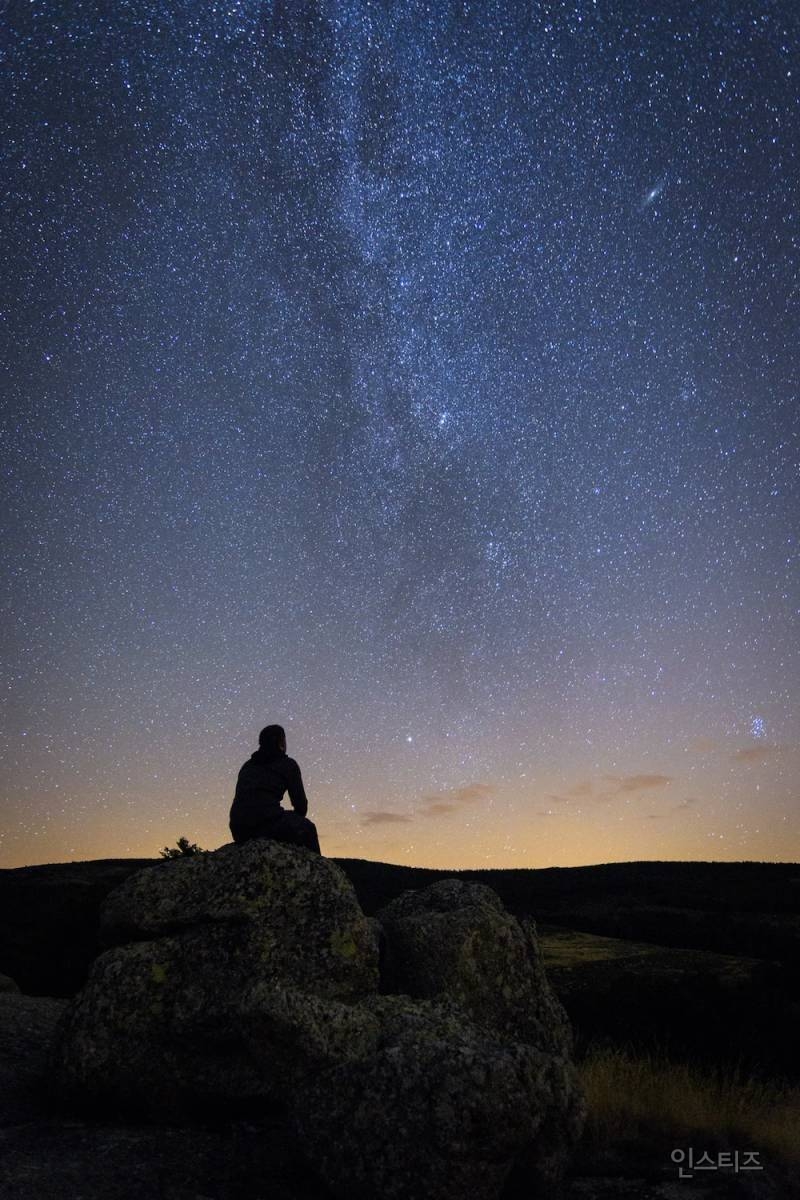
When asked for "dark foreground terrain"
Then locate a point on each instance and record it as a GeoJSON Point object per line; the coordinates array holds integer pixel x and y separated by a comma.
{"type": "Point", "coordinates": [705, 961]}
{"type": "Point", "coordinates": [695, 961]}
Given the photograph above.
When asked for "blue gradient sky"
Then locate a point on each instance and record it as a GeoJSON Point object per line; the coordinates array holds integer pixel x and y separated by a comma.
{"type": "Point", "coordinates": [423, 378]}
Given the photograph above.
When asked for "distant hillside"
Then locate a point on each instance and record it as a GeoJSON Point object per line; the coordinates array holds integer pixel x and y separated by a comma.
{"type": "Point", "coordinates": [760, 887]}
{"type": "Point", "coordinates": [49, 920]}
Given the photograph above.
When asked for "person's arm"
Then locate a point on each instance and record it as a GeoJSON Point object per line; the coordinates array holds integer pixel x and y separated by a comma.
{"type": "Point", "coordinates": [297, 793]}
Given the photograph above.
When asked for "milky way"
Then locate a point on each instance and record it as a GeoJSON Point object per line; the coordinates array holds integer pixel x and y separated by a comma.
{"type": "Point", "coordinates": [423, 377]}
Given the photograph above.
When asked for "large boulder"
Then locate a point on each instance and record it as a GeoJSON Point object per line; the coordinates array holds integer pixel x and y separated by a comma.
{"type": "Point", "coordinates": [296, 912]}
{"type": "Point", "coordinates": [163, 1024]}
{"type": "Point", "coordinates": [455, 940]}
{"type": "Point", "coordinates": [438, 1108]}
{"type": "Point", "coordinates": [250, 975]}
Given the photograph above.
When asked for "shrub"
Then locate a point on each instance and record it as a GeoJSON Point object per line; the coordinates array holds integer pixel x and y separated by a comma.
{"type": "Point", "coordinates": [184, 849]}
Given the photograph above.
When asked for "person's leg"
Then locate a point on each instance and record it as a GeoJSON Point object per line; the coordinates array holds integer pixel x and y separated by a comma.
{"type": "Point", "coordinates": [312, 837]}
{"type": "Point", "coordinates": [297, 831]}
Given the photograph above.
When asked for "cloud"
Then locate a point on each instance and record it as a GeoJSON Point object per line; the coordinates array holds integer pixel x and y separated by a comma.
{"type": "Point", "coordinates": [464, 795]}
{"type": "Point", "coordinates": [757, 754]}
{"type": "Point", "coordinates": [584, 788]}
{"type": "Point", "coordinates": [631, 785]}
{"type": "Point", "coordinates": [611, 786]}
{"type": "Point", "coordinates": [384, 818]}
{"type": "Point", "coordinates": [443, 803]}
{"type": "Point", "coordinates": [687, 802]}
{"type": "Point", "coordinates": [642, 783]}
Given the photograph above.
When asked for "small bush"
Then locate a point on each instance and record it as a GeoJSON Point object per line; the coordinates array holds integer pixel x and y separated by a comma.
{"type": "Point", "coordinates": [184, 849]}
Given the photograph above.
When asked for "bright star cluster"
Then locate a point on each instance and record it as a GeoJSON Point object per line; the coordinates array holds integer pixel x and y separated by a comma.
{"type": "Point", "coordinates": [420, 376]}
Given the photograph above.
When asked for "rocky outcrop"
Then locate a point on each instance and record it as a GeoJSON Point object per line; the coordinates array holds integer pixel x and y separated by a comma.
{"type": "Point", "coordinates": [162, 1026]}
{"type": "Point", "coordinates": [437, 1107]}
{"type": "Point", "coordinates": [250, 975]}
{"type": "Point", "coordinates": [456, 940]}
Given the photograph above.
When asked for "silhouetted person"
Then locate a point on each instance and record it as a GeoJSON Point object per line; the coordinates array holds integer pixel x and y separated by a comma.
{"type": "Point", "coordinates": [256, 810]}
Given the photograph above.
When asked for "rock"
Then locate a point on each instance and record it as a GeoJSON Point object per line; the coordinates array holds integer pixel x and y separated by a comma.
{"type": "Point", "coordinates": [7, 984]}
{"type": "Point", "coordinates": [438, 1110]}
{"type": "Point", "coordinates": [27, 1024]}
{"type": "Point", "coordinates": [49, 1156]}
{"type": "Point", "coordinates": [294, 1036]}
{"type": "Point", "coordinates": [300, 908]}
{"type": "Point", "coordinates": [164, 1025]}
{"type": "Point", "coordinates": [249, 975]}
{"type": "Point", "coordinates": [456, 940]}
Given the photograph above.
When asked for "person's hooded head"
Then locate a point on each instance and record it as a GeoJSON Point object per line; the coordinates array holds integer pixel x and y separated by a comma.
{"type": "Point", "coordinates": [272, 740]}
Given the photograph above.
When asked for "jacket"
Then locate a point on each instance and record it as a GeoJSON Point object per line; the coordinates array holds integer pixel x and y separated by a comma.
{"type": "Point", "coordinates": [260, 786]}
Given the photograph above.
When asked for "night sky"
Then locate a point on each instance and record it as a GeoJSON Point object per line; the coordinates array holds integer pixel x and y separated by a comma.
{"type": "Point", "coordinates": [424, 378]}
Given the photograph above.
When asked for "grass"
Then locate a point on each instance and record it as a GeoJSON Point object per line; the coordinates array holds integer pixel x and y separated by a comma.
{"type": "Point", "coordinates": [648, 1099]}
{"type": "Point", "coordinates": [570, 949]}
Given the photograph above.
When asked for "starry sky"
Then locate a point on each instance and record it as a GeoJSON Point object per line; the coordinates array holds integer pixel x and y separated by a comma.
{"type": "Point", "coordinates": [422, 377]}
